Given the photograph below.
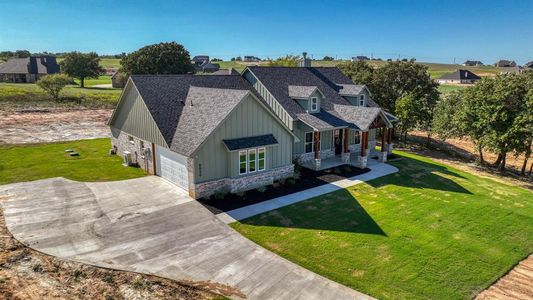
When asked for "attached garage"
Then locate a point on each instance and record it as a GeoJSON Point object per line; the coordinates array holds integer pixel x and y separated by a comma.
{"type": "Point", "coordinates": [172, 167]}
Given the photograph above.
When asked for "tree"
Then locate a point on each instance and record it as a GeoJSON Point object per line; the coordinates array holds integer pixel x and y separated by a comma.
{"type": "Point", "coordinates": [285, 61]}
{"type": "Point", "coordinates": [406, 110]}
{"type": "Point", "coordinates": [162, 58]}
{"type": "Point", "coordinates": [359, 71]}
{"type": "Point", "coordinates": [328, 58]}
{"type": "Point", "coordinates": [22, 53]}
{"type": "Point", "coordinates": [53, 84]}
{"type": "Point", "coordinates": [81, 65]}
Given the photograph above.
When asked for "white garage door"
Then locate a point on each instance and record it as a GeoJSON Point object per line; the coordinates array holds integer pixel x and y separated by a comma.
{"type": "Point", "coordinates": [173, 167]}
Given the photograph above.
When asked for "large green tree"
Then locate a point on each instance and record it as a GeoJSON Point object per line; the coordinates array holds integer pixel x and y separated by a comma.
{"type": "Point", "coordinates": [162, 58]}
{"type": "Point", "coordinates": [81, 65]}
{"type": "Point", "coordinates": [284, 61]}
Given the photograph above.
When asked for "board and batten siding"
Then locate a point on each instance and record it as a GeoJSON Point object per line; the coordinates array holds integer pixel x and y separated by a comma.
{"type": "Point", "coordinates": [271, 101]}
{"type": "Point", "coordinates": [133, 117]}
{"type": "Point", "coordinates": [249, 118]}
{"type": "Point", "coordinates": [300, 128]}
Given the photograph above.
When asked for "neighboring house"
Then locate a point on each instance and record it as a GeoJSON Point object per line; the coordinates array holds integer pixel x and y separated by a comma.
{"type": "Point", "coordinates": [29, 69]}
{"type": "Point", "coordinates": [505, 63]}
{"type": "Point", "coordinates": [118, 80]}
{"type": "Point", "coordinates": [234, 133]}
{"type": "Point", "coordinates": [472, 63]}
{"type": "Point", "coordinates": [230, 71]}
{"type": "Point", "coordinates": [529, 65]}
{"type": "Point", "coordinates": [459, 77]}
{"type": "Point", "coordinates": [200, 59]}
{"type": "Point", "coordinates": [249, 58]}
{"type": "Point", "coordinates": [209, 67]}
{"type": "Point", "coordinates": [360, 58]}
{"type": "Point", "coordinates": [513, 70]}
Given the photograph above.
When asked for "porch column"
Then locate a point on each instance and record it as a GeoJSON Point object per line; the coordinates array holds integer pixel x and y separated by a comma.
{"type": "Point", "coordinates": [345, 152]}
{"type": "Point", "coordinates": [384, 137]}
{"type": "Point", "coordinates": [317, 150]}
{"type": "Point", "coordinates": [389, 141]}
{"type": "Point", "coordinates": [362, 158]}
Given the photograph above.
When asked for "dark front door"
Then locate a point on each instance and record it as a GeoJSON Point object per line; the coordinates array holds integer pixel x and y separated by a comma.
{"type": "Point", "coordinates": [337, 139]}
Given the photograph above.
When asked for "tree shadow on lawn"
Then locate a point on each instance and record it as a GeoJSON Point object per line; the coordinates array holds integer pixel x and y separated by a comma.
{"type": "Point", "coordinates": [419, 174]}
{"type": "Point", "coordinates": [338, 211]}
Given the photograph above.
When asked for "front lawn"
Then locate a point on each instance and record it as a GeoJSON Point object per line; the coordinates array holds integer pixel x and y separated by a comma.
{"type": "Point", "coordinates": [427, 232]}
{"type": "Point", "coordinates": [31, 162]}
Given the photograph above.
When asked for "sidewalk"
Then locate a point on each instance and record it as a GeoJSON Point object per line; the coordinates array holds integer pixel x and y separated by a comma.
{"type": "Point", "coordinates": [377, 170]}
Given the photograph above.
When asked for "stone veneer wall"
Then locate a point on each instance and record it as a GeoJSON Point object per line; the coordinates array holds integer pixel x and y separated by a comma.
{"type": "Point", "coordinates": [322, 154]}
{"type": "Point", "coordinates": [120, 141]}
{"type": "Point", "coordinates": [244, 183]}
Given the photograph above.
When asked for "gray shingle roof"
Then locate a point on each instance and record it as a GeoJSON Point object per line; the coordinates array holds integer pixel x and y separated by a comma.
{"type": "Point", "coordinates": [350, 89]}
{"type": "Point", "coordinates": [250, 142]}
{"type": "Point", "coordinates": [230, 71]}
{"type": "Point", "coordinates": [166, 97]}
{"type": "Point", "coordinates": [30, 65]}
{"type": "Point", "coordinates": [204, 109]}
{"type": "Point", "coordinates": [360, 116]}
{"type": "Point", "coordinates": [300, 91]}
{"type": "Point", "coordinates": [461, 75]}
{"type": "Point", "coordinates": [324, 120]}
{"type": "Point", "coordinates": [278, 79]}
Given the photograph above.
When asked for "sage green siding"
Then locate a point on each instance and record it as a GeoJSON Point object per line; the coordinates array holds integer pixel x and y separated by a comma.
{"type": "Point", "coordinates": [133, 117]}
{"type": "Point", "coordinates": [355, 100]}
{"type": "Point", "coordinates": [249, 118]}
{"type": "Point", "coordinates": [272, 102]}
{"type": "Point", "coordinates": [300, 128]}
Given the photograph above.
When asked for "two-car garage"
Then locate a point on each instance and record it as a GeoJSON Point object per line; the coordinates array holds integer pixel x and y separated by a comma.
{"type": "Point", "coordinates": [172, 167]}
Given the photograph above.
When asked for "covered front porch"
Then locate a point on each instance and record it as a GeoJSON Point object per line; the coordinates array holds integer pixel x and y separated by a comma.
{"type": "Point", "coordinates": [337, 161]}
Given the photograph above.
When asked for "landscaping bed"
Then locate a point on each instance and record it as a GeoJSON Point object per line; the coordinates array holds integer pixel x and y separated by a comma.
{"type": "Point", "coordinates": [304, 179]}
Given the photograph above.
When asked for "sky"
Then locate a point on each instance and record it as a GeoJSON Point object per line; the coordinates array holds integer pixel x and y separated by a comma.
{"type": "Point", "coordinates": [428, 30]}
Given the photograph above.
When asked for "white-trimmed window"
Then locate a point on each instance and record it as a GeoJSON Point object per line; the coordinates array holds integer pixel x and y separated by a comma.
{"type": "Point", "coordinates": [252, 160]}
{"type": "Point", "coordinates": [362, 100]}
{"type": "Point", "coordinates": [314, 104]}
{"type": "Point", "coordinates": [309, 142]}
{"type": "Point", "coordinates": [261, 159]}
{"type": "Point", "coordinates": [252, 157]}
{"type": "Point", "coordinates": [242, 162]}
{"type": "Point", "coordinates": [356, 139]}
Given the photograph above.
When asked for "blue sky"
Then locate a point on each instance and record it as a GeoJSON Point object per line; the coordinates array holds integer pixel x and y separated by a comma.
{"type": "Point", "coordinates": [429, 30]}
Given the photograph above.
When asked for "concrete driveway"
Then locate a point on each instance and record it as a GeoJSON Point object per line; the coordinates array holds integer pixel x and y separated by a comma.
{"type": "Point", "coordinates": [148, 225]}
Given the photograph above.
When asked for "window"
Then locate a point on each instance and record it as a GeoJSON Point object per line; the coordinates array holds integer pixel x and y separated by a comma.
{"type": "Point", "coordinates": [130, 138]}
{"type": "Point", "coordinates": [242, 162]}
{"type": "Point", "coordinates": [261, 159]}
{"type": "Point", "coordinates": [362, 100]}
{"type": "Point", "coordinates": [314, 104]}
{"type": "Point", "coordinates": [309, 142]}
{"type": "Point", "coordinates": [251, 160]}
{"type": "Point", "coordinates": [356, 139]}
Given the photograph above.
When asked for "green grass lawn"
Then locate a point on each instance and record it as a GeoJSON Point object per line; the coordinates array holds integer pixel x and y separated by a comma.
{"type": "Point", "coordinates": [104, 79]}
{"type": "Point", "coordinates": [22, 95]}
{"type": "Point", "coordinates": [427, 232]}
{"type": "Point", "coordinates": [39, 161]}
{"type": "Point", "coordinates": [446, 89]}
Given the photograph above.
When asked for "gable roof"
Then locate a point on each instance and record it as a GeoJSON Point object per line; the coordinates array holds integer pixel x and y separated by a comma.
{"type": "Point", "coordinates": [300, 91]}
{"type": "Point", "coordinates": [230, 71]}
{"type": "Point", "coordinates": [278, 79]}
{"type": "Point", "coordinates": [30, 65]}
{"type": "Point", "coordinates": [460, 75]}
{"type": "Point", "coordinates": [351, 89]}
{"type": "Point", "coordinates": [204, 109]}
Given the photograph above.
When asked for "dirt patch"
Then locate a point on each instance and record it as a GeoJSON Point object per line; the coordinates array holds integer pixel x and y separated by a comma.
{"type": "Point", "coordinates": [28, 274]}
{"type": "Point", "coordinates": [517, 284]}
{"type": "Point", "coordinates": [53, 125]}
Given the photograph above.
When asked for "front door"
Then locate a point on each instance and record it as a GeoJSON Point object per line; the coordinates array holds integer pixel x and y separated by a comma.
{"type": "Point", "coordinates": [337, 140]}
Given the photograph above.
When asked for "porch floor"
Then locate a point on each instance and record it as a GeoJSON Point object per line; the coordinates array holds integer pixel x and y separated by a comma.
{"type": "Point", "coordinates": [335, 161]}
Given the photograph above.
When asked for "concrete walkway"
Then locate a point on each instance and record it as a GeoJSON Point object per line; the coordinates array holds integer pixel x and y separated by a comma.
{"type": "Point", "coordinates": [147, 225]}
{"type": "Point", "coordinates": [376, 170]}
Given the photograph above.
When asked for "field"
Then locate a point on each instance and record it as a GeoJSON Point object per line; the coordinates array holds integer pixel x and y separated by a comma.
{"type": "Point", "coordinates": [14, 96]}
{"type": "Point", "coordinates": [427, 232]}
{"type": "Point", "coordinates": [50, 160]}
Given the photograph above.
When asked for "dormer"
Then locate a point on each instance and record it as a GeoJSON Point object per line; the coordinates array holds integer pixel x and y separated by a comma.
{"type": "Point", "coordinates": [356, 94]}
{"type": "Point", "coordinates": [308, 97]}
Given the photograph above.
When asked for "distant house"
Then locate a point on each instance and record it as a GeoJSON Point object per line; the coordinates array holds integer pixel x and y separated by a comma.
{"type": "Point", "coordinates": [250, 58]}
{"type": "Point", "coordinates": [472, 63]}
{"type": "Point", "coordinates": [29, 69]}
{"type": "Point", "coordinates": [459, 77]}
{"type": "Point", "coordinates": [513, 70]}
{"type": "Point", "coordinates": [360, 58]}
{"type": "Point", "coordinates": [209, 67]}
{"type": "Point", "coordinates": [230, 71]}
{"type": "Point", "coordinates": [529, 65]}
{"type": "Point", "coordinates": [200, 59]}
{"type": "Point", "coordinates": [505, 63]}
{"type": "Point", "coordinates": [118, 80]}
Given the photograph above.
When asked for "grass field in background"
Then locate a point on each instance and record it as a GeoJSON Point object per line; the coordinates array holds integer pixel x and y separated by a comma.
{"type": "Point", "coordinates": [38, 161]}
{"type": "Point", "coordinates": [427, 232]}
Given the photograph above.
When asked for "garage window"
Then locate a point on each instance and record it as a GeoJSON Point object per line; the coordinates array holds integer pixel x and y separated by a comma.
{"type": "Point", "coordinates": [242, 162]}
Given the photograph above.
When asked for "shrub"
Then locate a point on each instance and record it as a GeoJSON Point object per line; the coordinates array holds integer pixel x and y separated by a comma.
{"type": "Point", "coordinates": [291, 181]}
{"type": "Point", "coordinates": [297, 174]}
{"type": "Point", "coordinates": [240, 194]}
{"type": "Point", "coordinates": [37, 268]}
{"type": "Point", "coordinates": [53, 84]}
{"type": "Point", "coordinates": [220, 194]}
{"type": "Point", "coordinates": [262, 189]}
